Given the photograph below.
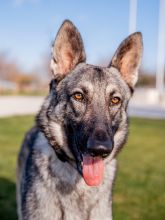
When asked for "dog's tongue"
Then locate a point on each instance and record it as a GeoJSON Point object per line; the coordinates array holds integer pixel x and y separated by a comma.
{"type": "Point", "coordinates": [93, 170]}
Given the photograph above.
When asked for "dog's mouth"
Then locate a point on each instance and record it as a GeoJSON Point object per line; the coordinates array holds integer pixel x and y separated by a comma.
{"type": "Point", "coordinates": [89, 154]}
{"type": "Point", "coordinates": [91, 160]}
{"type": "Point", "coordinates": [92, 170]}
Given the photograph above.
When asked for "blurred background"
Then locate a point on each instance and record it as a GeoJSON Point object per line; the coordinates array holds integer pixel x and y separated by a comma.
{"type": "Point", "coordinates": [27, 30]}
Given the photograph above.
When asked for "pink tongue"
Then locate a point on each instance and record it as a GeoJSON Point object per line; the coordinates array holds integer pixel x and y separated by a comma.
{"type": "Point", "coordinates": [93, 170]}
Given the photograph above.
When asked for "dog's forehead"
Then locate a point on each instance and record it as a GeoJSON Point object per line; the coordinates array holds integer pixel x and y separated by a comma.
{"type": "Point", "coordinates": [93, 77]}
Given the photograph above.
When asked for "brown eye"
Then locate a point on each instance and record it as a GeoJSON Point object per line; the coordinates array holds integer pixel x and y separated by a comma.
{"type": "Point", "coordinates": [78, 97]}
{"type": "Point", "coordinates": [115, 100]}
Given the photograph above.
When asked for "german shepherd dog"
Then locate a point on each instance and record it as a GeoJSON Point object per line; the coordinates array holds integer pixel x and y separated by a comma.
{"type": "Point", "coordinates": [67, 165]}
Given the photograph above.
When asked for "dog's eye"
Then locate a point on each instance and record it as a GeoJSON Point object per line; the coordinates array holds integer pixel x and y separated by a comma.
{"type": "Point", "coordinates": [115, 100]}
{"type": "Point", "coordinates": [78, 97]}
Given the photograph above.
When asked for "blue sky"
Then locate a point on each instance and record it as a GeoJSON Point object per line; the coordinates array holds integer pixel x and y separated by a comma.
{"type": "Point", "coordinates": [29, 26]}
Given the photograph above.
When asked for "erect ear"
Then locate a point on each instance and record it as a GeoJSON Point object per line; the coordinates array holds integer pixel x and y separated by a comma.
{"type": "Point", "coordinates": [68, 50]}
{"type": "Point", "coordinates": [128, 57]}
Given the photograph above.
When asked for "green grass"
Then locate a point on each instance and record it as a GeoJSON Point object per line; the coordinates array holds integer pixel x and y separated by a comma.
{"type": "Point", "coordinates": [140, 185]}
{"type": "Point", "coordinates": [11, 134]}
{"type": "Point", "coordinates": [139, 191]}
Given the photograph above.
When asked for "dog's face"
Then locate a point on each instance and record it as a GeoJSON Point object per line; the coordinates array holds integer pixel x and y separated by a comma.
{"type": "Point", "coordinates": [85, 112]}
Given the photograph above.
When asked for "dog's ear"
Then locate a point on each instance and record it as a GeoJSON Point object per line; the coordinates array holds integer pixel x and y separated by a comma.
{"type": "Point", "coordinates": [128, 57]}
{"type": "Point", "coordinates": [68, 50]}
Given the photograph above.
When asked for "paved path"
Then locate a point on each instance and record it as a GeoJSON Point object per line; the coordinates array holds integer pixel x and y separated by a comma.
{"type": "Point", "coordinates": [21, 105]}
{"type": "Point", "coordinates": [147, 112]}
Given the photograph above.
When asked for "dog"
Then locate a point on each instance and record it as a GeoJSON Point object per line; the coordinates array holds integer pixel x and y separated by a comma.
{"type": "Point", "coordinates": [66, 165]}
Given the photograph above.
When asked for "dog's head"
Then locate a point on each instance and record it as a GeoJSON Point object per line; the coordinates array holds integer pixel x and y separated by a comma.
{"type": "Point", "coordinates": [85, 113]}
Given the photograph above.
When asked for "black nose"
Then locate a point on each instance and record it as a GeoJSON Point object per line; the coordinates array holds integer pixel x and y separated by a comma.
{"type": "Point", "coordinates": [100, 144]}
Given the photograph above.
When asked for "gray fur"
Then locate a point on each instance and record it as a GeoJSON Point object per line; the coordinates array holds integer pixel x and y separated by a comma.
{"type": "Point", "coordinates": [48, 188]}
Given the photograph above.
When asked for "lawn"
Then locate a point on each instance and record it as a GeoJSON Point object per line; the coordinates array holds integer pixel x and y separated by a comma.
{"type": "Point", "coordinates": [140, 185]}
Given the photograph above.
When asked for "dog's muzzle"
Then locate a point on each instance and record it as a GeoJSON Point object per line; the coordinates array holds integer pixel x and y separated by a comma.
{"type": "Point", "coordinates": [99, 143]}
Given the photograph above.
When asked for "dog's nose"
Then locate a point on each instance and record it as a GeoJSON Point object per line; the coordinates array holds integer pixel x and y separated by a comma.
{"type": "Point", "coordinates": [100, 144]}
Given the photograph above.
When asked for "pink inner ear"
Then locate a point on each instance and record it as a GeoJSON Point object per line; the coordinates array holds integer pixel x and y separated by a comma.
{"type": "Point", "coordinates": [125, 65]}
{"type": "Point", "coordinates": [128, 66]}
{"type": "Point", "coordinates": [65, 64]}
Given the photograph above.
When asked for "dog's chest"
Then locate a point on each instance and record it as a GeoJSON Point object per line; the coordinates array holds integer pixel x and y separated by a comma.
{"type": "Point", "coordinates": [78, 202]}
{"type": "Point", "coordinates": [87, 204]}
